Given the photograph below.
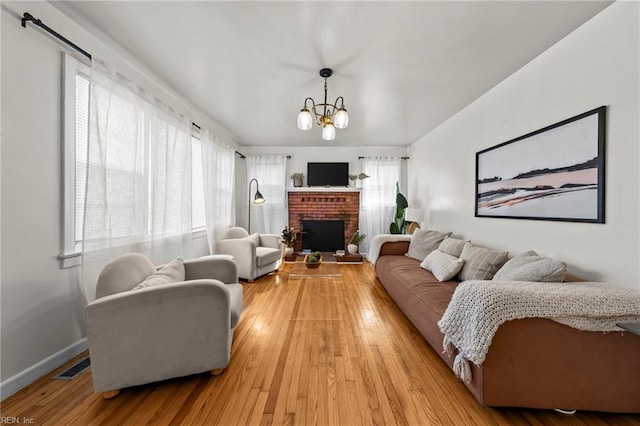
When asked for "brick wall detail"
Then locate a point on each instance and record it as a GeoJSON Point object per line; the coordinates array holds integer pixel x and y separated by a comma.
{"type": "Point", "coordinates": [343, 206]}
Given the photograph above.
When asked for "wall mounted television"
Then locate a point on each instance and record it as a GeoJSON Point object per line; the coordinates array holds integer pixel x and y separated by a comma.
{"type": "Point", "coordinates": [328, 174]}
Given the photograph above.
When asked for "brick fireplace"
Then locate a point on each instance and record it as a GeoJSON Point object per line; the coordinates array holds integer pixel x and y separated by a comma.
{"type": "Point", "coordinates": [324, 205]}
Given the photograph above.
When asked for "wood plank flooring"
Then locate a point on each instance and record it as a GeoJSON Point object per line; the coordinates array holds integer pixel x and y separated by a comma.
{"type": "Point", "coordinates": [324, 351]}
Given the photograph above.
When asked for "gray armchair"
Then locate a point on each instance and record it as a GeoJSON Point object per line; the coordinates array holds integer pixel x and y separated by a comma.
{"type": "Point", "coordinates": [255, 255]}
{"type": "Point", "coordinates": [162, 331]}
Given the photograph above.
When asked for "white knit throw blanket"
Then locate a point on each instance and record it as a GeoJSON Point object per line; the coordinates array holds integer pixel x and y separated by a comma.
{"type": "Point", "coordinates": [477, 309]}
{"type": "Point", "coordinates": [376, 244]}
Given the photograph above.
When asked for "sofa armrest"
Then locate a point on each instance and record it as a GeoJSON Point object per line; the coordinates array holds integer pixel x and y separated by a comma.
{"type": "Point", "coordinates": [217, 266]}
{"type": "Point", "coordinates": [394, 248]}
{"type": "Point", "coordinates": [271, 241]}
{"type": "Point", "coordinates": [139, 336]}
{"type": "Point", "coordinates": [244, 254]}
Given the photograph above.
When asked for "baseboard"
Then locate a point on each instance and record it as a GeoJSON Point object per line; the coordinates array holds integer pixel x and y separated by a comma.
{"type": "Point", "coordinates": [42, 368]}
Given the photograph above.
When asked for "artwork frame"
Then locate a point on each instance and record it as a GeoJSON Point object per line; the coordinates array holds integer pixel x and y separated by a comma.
{"type": "Point", "coordinates": [556, 173]}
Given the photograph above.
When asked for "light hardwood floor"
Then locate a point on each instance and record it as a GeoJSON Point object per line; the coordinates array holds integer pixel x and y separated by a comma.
{"type": "Point", "coordinates": [322, 351]}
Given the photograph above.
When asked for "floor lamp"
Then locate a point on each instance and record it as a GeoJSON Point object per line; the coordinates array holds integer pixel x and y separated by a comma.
{"type": "Point", "coordinates": [257, 199]}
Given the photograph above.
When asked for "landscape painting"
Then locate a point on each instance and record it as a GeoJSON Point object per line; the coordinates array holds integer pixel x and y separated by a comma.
{"type": "Point", "coordinates": [555, 173]}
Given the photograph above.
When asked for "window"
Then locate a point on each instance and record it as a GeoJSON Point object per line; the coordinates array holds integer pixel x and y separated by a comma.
{"type": "Point", "coordinates": [198, 220]}
{"type": "Point", "coordinates": [76, 136]}
{"type": "Point", "coordinates": [76, 89]}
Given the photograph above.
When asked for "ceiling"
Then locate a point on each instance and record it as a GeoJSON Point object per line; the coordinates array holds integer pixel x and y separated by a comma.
{"type": "Point", "coordinates": [402, 67]}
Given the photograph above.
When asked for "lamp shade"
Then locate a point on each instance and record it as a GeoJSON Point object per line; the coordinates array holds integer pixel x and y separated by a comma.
{"type": "Point", "coordinates": [258, 198]}
{"type": "Point", "coordinates": [341, 119]}
{"type": "Point", "coordinates": [328, 132]}
{"type": "Point", "coordinates": [413, 214]}
{"type": "Point", "coordinates": [305, 121]}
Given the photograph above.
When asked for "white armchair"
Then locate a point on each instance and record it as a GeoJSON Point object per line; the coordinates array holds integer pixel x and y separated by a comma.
{"type": "Point", "coordinates": [255, 255]}
{"type": "Point", "coordinates": [162, 331]}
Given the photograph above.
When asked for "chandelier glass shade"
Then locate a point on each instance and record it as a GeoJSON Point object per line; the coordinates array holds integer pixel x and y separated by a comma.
{"type": "Point", "coordinates": [329, 116]}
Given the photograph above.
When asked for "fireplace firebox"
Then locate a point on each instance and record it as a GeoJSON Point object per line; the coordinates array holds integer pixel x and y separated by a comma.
{"type": "Point", "coordinates": [323, 235]}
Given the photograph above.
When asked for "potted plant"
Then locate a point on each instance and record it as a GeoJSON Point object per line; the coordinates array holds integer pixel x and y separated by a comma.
{"type": "Point", "coordinates": [313, 260]}
{"type": "Point", "coordinates": [399, 226]}
{"type": "Point", "coordinates": [296, 179]}
{"type": "Point", "coordinates": [288, 237]}
{"type": "Point", "coordinates": [355, 241]}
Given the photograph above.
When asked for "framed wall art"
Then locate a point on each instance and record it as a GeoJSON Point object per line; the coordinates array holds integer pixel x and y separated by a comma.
{"type": "Point", "coordinates": [555, 173]}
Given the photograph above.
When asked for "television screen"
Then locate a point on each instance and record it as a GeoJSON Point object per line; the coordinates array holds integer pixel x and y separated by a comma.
{"type": "Point", "coordinates": [328, 174]}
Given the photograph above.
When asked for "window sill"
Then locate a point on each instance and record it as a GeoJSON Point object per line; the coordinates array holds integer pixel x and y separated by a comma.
{"type": "Point", "coordinates": [199, 233]}
{"type": "Point", "coordinates": [70, 260]}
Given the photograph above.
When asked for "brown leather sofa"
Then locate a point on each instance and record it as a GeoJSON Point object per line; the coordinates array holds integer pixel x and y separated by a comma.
{"type": "Point", "coordinates": [535, 362]}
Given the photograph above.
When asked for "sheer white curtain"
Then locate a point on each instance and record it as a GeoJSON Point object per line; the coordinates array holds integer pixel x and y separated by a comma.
{"type": "Point", "coordinates": [138, 196]}
{"type": "Point", "coordinates": [218, 164]}
{"type": "Point", "coordinates": [271, 173]}
{"type": "Point", "coordinates": [378, 196]}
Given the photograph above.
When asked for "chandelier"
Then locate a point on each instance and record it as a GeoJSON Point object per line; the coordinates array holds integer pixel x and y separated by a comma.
{"type": "Point", "coordinates": [330, 117]}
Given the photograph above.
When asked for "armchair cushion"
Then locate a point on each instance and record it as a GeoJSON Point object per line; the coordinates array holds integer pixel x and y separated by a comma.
{"type": "Point", "coordinates": [172, 272]}
{"type": "Point", "coordinates": [266, 255]}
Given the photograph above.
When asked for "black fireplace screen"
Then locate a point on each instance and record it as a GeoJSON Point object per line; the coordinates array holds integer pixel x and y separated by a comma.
{"type": "Point", "coordinates": [323, 235]}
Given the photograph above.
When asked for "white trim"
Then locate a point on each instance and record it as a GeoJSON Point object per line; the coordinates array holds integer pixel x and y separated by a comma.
{"type": "Point", "coordinates": [71, 67]}
{"type": "Point", "coordinates": [40, 369]}
{"type": "Point", "coordinates": [70, 260]}
{"type": "Point", "coordinates": [324, 189]}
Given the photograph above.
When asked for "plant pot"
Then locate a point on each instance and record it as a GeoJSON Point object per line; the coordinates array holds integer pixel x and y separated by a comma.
{"type": "Point", "coordinates": [311, 265]}
{"type": "Point", "coordinates": [297, 182]}
{"type": "Point", "coordinates": [352, 248]}
{"type": "Point", "coordinates": [288, 251]}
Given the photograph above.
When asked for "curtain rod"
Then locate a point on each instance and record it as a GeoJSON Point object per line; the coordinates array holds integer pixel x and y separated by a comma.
{"type": "Point", "coordinates": [29, 17]}
{"type": "Point", "coordinates": [241, 155]}
{"type": "Point", "coordinates": [402, 158]}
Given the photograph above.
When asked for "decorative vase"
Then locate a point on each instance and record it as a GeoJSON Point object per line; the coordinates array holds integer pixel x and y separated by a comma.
{"type": "Point", "coordinates": [288, 251]}
{"type": "Point", "coordinates": [352, 248]}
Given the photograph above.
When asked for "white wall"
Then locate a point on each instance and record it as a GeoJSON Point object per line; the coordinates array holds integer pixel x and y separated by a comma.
{"type": "Point", "coordinates": [42, 306]}
{"type": "Point", "coordinates": [300, 156]}
{"type": "Point", "coordinates": [597, 64]}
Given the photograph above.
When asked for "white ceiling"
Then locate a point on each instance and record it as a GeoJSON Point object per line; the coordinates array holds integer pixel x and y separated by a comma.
{"type": "Point", "coordinates": [402, 67]}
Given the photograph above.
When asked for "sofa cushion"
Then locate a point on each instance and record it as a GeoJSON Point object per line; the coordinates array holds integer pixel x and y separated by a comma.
{"type": "Point", "coordinates": [529, 266]}
{"type": "Point", "coordinates": [443, 266]}
{"type": "Point", "coordinates": [425, 241]}
{"type": "Point", "coordinates": [266, 256]}
{"type": "Point", "coordinates": [407, 284]}
{"type": "Point", "coordinates": [480, 263]}
{"type": "Point", "coordinates": [172, 272]}
{"type": "Point", "coordinates": [452, 246]}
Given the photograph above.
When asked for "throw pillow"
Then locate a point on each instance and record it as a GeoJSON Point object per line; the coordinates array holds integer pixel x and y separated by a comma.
{"type": "Point", "coordinates": [443, 266]}
{"type": "Point", "coordinates": [480, 263]}
{"type": "Point", "coordinates": [254, 238]}
{"type": "Point", "coordinates": [529, 266]}
{"type": "Point", "coordinates": [424, 242]}
{"type": "Point", "coordinates": [452, 246]}
{"type": "Point", "coordinates": [172, 272]}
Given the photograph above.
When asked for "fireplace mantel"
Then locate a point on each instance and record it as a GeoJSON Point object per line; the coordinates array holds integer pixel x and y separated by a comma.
{"type": "Point", "coordinates": [324, 189]}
